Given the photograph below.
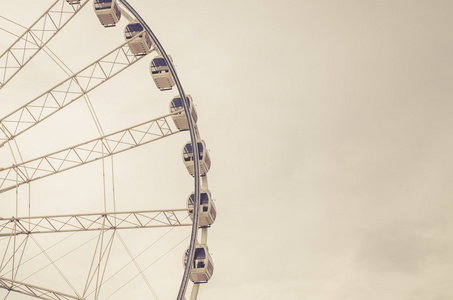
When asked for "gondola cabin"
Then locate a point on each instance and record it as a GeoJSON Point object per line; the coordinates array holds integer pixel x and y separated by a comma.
{"type": "Point", "coordinates": [180, 119]}
{"type": "Point", "coordinates": [202, 267]}
{"type": "Point", "coordinates": [108, 12]}
{"type": "Point", "coordinates": [203, 157]}
{"type": "Point", "coordinates": [140, 45]}
{"type": "Point", "coordinates": [207, 212]}
{"type": "Point", "coordinates": [161, 73]}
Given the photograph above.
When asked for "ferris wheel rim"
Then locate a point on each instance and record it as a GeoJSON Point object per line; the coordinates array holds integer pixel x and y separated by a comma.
{"type": "Point", "coordinates": [194, 137]}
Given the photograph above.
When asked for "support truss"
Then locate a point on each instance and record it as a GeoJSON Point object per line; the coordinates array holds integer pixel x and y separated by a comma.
{"type": "Point", "coordinates": [67, 92]}
{"type": "Point", "coordinates": [81, 154]}
{"type": "Point", "coordinates": [36, 37]}
{"type": "Point", "coordinates": [94, 222]}
{"type": "Point", "coordinates": [32, 290]}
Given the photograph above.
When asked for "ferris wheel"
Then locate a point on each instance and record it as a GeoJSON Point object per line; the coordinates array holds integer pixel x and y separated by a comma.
{"type": "Point", "coordinates": [88, 255]}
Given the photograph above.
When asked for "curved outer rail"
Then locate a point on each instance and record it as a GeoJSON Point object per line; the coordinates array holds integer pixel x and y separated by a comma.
{"type": "Point", "coordinates": [193, 137]}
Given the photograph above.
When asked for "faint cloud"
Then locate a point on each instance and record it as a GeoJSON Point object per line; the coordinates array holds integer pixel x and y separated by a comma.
{"type": "Point", "coordinates": [397, 248]}
{"type": "Point", "coordinates": [429, 295]}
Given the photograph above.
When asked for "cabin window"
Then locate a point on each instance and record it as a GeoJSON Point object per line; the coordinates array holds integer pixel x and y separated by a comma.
{"type": "Point", "coordinates": [200, 151]}
{"type": "Point", "coordinates": [194, 115]}
{"type": "Point", "coordinates": [210, 268]}
{"type": "Point", "coordinates": [117, 12]}
{"type": "Point", "coordinates": [191, 201]}
{"type": "Point", "coordinates": [176, 104]}
{"type": "Point", "coordinates": [133, 29]}
{"type": "Point", "coordinates": [159, 62]}
{"type": "Point", "coordinates": [148, 41]}
{"type": "Point", "coordinates": [102, 4]}
{"type": "Point", "coordinates": [204, 199]}
{"type": "Point", "coordinates": [188, 153]}
{"type": "Point", "coordinates": [208, 162]}
{"type": "Point", "coordinates": [199, 253]}
{"type": "Point", "coordinates": [213, 213]}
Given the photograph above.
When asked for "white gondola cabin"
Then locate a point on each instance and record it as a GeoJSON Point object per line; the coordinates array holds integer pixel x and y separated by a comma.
{"type": "Point", "coordinates": [203, 157]}
{"type": "Point", "coordinates": [207, 212]}
{"type": "Point", "coordinates": [108, 12]}
{"type": "Point", "coordinates": [142, 44]}
{"type": "Point", "coordinates": [202, 267]}
{"type": "Point", "coordinates": [180, 119]}
{"type": "Point", "coordinates": [161, 73]}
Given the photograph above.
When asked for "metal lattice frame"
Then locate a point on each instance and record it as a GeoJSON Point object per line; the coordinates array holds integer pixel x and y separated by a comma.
{"type": "Point", "coordinates": [66, 92]}
{"type": "Point", "coordinates": [75, 156]}
{"type": "Point", "coordinates": [36, 37]}
{"type": "Point", "coordinates": [34, 291]}
{"type": "Point", "coordinates": [94, 222]}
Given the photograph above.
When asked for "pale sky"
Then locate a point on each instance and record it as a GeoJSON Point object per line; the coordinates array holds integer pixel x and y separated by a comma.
{"type": "Point", "coordinates": [329, 128]}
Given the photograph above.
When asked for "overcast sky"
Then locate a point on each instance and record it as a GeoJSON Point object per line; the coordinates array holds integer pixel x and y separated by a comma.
{"type": "Point", "coordinates": [330, 132]}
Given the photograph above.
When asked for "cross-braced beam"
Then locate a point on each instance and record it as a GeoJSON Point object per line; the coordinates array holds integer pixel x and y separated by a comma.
{"type": "Point", "coordinates": [32, 290]}
{"type": "Point", "coordinates": [94, 222]}
{"type": "Point", "coordinates": [36, 37]}
{"type": "Point", "coordinates": [66, 92]}
{"type": "Point", "coordinates": [81, 154]}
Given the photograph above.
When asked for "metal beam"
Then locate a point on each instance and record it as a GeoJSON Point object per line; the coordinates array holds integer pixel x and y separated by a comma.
{"type": "Point", "coordinates": [67, 92]}
{"type": "Point", "coordinates": [36, 37]}
{"type": "Point", "coordinates": [94, 222]}
{"type": "Point", "coordinates": [33, 290]}
{"type": "Point", "coordinates": [120, 141]}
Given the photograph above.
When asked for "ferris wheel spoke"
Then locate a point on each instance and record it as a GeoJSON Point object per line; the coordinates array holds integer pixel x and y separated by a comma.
{"type": "Point", "coordinates": [36, 37]}
{"type": "Point", "coordinates": [67, 92]}
{"type": "Point", "coordinates": [94, 222]}
{"type": "Point", "coordinates": [138, 267]}
{"type": "Point", "coordinates": [33, 290]}
{"type": "Point", "coordinates": [12, 256]}
{"type": "Point", "coordinates": [99, 263]}
{"type": "Point", "coordinates": [84, 153]}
